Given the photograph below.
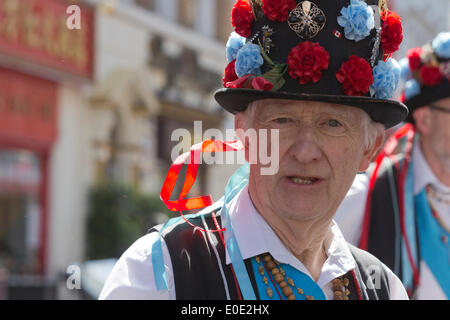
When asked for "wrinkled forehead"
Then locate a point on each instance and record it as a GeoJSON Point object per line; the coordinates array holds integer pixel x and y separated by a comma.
{"type": "Point", "coordinates": [274, 107]}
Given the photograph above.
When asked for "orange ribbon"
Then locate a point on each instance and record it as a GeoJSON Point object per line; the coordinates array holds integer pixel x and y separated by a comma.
{"type": "Point", "coordinates": [183, 204]}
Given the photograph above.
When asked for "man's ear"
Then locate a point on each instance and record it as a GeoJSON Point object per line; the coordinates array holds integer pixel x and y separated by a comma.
{"type": "Point", "coordinates": [422, 119]}
{"type": "Point", "coordinates": [240, 127]}
{"type": "Point", "coordinates": [372, 150]}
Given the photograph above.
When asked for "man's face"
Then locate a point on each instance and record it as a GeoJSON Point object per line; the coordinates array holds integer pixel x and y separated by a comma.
{"type": "Point", "coordinates": [321, 148]}
{"type": "Point", "coordinates": [440, 134]}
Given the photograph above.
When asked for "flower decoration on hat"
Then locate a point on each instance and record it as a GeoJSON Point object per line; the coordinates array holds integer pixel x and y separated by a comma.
{"type": "Point", "coordinates": [357, 19]}
{"type": "Point", "coordinates": [234, 44]}
{"type": "Point", "coordinates": [431, 76]}
{"type": "Point", "coordinates": [386, 76]}
{"type": "Point", "coordinates": [356, 76]}
{"type": "Point", "coordinates": [250, 81]}
{"type": "Point", "coordinates": [278, 10]}
{"type": "Point", "coordinates": [412, 88]}
{"type": "Point", "coordinates": [306, 62]}
{"type": "Point", "coordinates": [405, 71]}
{"type": "Point", "coordinates": [242, 18]}
{"type": "Point", "coordinates": [299, 49]}
{"type": "Point", "coordinates": [248, 50]}
{"type": "Point", "coordinates": [249, 60]}
{"type": "Point", "coordinates": [414, 58]}
{"type": "Point", "coordinates": [230, 73]}
{"type": "Point", "coordinates": [441, 45]}
{"type": "Point", "coordinates": [391, 32]}
{"type": "Point", "coordinates": [427, 66]}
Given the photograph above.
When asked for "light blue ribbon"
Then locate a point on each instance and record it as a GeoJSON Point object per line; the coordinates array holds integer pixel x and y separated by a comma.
{"type": "Point", "coordinates": [159, 270]}
{"type": "Point", "coordinates": [235, 184]}
{"type": "Point", "coordinates": [433, 251]}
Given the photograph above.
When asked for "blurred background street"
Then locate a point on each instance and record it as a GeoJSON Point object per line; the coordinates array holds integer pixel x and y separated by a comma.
{"type": "Point", "coordinates": [86, 117]}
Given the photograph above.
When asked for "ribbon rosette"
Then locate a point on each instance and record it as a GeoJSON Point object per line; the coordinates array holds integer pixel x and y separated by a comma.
{"type": "Point", "coordinates": [356, 76]}
{"type": "Point", "coordinates": [357, 20]}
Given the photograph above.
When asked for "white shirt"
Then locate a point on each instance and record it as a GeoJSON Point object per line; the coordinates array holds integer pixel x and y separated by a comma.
{"type": "Point", "coordinates": [350, 215]}
{"type": "Point", "coordinates": [132, 276]}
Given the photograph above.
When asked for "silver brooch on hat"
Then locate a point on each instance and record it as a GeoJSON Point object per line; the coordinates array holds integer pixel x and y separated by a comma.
{"type": "Point", "coordinates": [267, 32]}
{"type": "Point", "coordinates": [307, 20]}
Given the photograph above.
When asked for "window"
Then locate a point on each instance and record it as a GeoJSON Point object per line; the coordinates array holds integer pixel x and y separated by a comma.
{"type": "Point", "coordinates": [187, 13]}
{"type": "Point", "coordinates": [223, 19]}
{"type": "Point", "coordinates": [147, 4]}
{"type": "Point", "coordinates": [20, 211]}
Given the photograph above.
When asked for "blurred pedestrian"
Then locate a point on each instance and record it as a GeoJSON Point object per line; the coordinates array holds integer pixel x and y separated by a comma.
{"type": "Point", "coordinates": [400, 209]}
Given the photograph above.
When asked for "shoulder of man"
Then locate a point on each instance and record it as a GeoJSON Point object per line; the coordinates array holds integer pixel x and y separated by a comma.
{"type": "Point", "coordinates": [372, 274]}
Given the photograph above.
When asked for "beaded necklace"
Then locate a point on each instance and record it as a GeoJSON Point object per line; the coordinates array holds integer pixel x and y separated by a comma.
{"type": "Point", "coordinates": [433, 193]}
{"type": "Point", "coordinates": [277, 275]}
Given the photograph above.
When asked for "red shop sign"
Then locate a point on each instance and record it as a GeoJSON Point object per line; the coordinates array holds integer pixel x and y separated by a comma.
{"type": "Point", "coordinates": [28, 110]}
{"type": "Point", "coordinates": [36, 30]}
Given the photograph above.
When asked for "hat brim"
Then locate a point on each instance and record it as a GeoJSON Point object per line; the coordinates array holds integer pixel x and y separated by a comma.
{"type": "Point", "coordinates": [387, 112]}
{"type": "Point", "coordinates": [427, 95]}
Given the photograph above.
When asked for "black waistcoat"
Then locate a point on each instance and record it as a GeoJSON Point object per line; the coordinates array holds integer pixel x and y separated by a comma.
{"type": "Point", "coordinates": [201, 273]}
{"type": "Point", "coordinates": [384, 229]}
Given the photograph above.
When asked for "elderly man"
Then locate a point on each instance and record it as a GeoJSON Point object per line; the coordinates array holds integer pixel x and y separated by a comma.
{"type": "Point", "coordinates": [310, 73]}
{"type": "Point", "coordinates": [400, 210]}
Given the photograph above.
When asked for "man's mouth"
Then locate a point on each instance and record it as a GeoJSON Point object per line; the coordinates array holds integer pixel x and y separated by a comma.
{"type": "Point", "coordinates": [303, 180]}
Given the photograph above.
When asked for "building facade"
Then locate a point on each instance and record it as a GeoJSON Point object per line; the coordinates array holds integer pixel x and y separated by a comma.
{"type": "Point", "coordinates": [43, 69]}
{"type": "Point", "coordinates": [99, 103]}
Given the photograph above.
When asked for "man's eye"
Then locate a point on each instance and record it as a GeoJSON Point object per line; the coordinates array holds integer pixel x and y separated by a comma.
{"type": "Point", "coordinates": [334, 123]}
{"type": "Point", "coordinates": [282, 120]}
{"type": "Point", "coordinates": [333, 127]}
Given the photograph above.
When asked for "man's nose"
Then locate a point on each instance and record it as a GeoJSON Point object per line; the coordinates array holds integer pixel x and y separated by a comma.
{"type": "Point", "coordinates": [306, 149]}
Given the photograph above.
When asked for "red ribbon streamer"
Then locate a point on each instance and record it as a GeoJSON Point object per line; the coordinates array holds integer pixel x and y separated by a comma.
{"type": "Point", "coordinates": [183, 204]}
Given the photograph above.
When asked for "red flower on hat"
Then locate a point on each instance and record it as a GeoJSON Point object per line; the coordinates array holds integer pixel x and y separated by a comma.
{"type": "Point", "coordinates": [230, 73]}
{"type": "Point", "coordinates": [391, 32]}
{"type": "Point", "coordinates": [306, 62]}
{"type": "Point", "coordinates": [414, 58]}
{"type": "Point", "coordinates": [278, 9]}
{"type": "Point", "coordinates": [356, 76]}
{"type": "Point", "coordinates": [242, 18]}
{"type": "Point", "coordinates": [431, 76]}
{"type": "Point", "coordinates": [249, 81]}
{"type": "Point", "coordinates": [261, 83]}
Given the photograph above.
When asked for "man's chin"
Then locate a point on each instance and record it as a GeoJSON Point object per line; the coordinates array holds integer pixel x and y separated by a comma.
{"type": "Point", "coordinates": [303, 214]}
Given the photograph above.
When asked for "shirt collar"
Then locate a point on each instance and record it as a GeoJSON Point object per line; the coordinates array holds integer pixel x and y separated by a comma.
{"type": "Point", "coordinates": [423, 175]}
{"type": "Point", "coordinates": [255, 237]}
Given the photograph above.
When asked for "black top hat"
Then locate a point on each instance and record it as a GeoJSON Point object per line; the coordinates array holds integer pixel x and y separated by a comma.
{"type": "Point", "coordinates": [426, 73]}
{"type": "Point", "coordinates": [319, 50]}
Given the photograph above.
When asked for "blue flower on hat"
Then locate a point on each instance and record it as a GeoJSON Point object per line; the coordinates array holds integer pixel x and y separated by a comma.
{"type": "Point", "coordinates": [441, 45]}
{"type": "Point", "coordinates": [386, 76]}
{"type": "Point", "coordinates": [412, 88]}
{"type": "Point", "coordinates": [249, 60]}
{"type": "Point", "coordinates": [405, 70]}
{"type": "Point", "coordinates": [357, 19]}
{"type": "Point", "coordinates": [234, 44]}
